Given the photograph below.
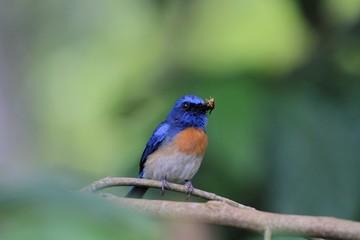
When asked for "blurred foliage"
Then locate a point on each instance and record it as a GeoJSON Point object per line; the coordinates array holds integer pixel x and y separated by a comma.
{"type": "Point", "coordinates": [84, 83]}
{"type": "Point", "coordinates": [44, 211]}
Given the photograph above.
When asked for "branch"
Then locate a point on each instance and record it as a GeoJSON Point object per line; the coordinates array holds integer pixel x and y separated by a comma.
{"type": "Point", "coordinates": [222, 213]}
{"type": "Point", "coordinates": [139, 182]}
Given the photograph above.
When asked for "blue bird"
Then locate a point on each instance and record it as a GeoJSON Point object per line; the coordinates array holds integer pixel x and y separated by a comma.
{"type": "Point", "coordinates": [177, 146]}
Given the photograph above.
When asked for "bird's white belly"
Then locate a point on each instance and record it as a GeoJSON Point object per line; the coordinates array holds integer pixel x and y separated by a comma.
{"type": "Point", "coordinates": [173, 166]}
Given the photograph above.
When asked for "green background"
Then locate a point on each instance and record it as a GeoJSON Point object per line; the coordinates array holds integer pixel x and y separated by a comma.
{"type": "Point", "coordinates": [84, 83]}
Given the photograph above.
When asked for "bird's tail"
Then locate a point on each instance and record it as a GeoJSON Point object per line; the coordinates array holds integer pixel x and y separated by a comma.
{"type": "Point", "coordinates": [137, 192]}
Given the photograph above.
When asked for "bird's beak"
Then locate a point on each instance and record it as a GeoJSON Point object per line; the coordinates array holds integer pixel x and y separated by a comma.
{"type": "Point", "coordinates": [209, 105]}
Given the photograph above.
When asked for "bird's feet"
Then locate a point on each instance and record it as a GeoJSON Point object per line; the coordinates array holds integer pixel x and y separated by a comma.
{"type": "Point", "coordinates": [164, 185]}
{"type": "Point", "coordinates": [189, 188]}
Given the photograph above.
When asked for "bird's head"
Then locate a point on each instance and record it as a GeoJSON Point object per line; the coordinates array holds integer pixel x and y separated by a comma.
{"type": "Point", "coordinates": [190, 111]}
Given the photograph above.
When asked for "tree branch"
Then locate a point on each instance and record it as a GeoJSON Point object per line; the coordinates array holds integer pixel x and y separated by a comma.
{"type": "Point", "coordinates": [221, 213]}
{"type": "Point", "coordinates": [117, 181]}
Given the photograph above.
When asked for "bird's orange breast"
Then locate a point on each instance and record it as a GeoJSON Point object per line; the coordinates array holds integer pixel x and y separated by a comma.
{"type": "Point", "coordinates": [191, 141]}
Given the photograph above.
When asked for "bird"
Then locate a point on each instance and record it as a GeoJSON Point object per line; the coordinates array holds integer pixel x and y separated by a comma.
{"type": "Point", "coordinates": [177, 146]}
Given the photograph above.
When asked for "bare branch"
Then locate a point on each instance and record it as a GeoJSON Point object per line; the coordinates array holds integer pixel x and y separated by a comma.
{"type": "Point", "coordinates": [267, 234]}
{"type": "Point", "coordinates": [221, 213]}
{"type": "Point", "coordinates": [117, 181]}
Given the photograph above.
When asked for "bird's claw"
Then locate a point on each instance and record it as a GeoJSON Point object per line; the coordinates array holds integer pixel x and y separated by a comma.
{"type": "Point", "coordinates": [164, 185]}
{"type": "Point", "coordinates": [189, 188]}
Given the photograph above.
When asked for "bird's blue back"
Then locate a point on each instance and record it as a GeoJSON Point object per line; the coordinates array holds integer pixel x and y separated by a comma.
{"type": "Point", "coordinates": [154, 142]}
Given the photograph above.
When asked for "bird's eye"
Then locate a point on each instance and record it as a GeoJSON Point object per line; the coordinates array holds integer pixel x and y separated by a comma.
{"type": "Point", "coordinates": [185, 105]}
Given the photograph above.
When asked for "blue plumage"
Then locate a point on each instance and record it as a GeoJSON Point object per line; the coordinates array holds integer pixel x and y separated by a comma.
{"type": "Point", "coordinates": [188, 112]}
{"type": "Point", "coordinates": [154, 142]}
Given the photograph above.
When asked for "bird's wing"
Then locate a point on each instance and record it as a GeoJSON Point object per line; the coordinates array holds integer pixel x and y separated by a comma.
{"type": "Point", "coordinates": [154, 142]}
